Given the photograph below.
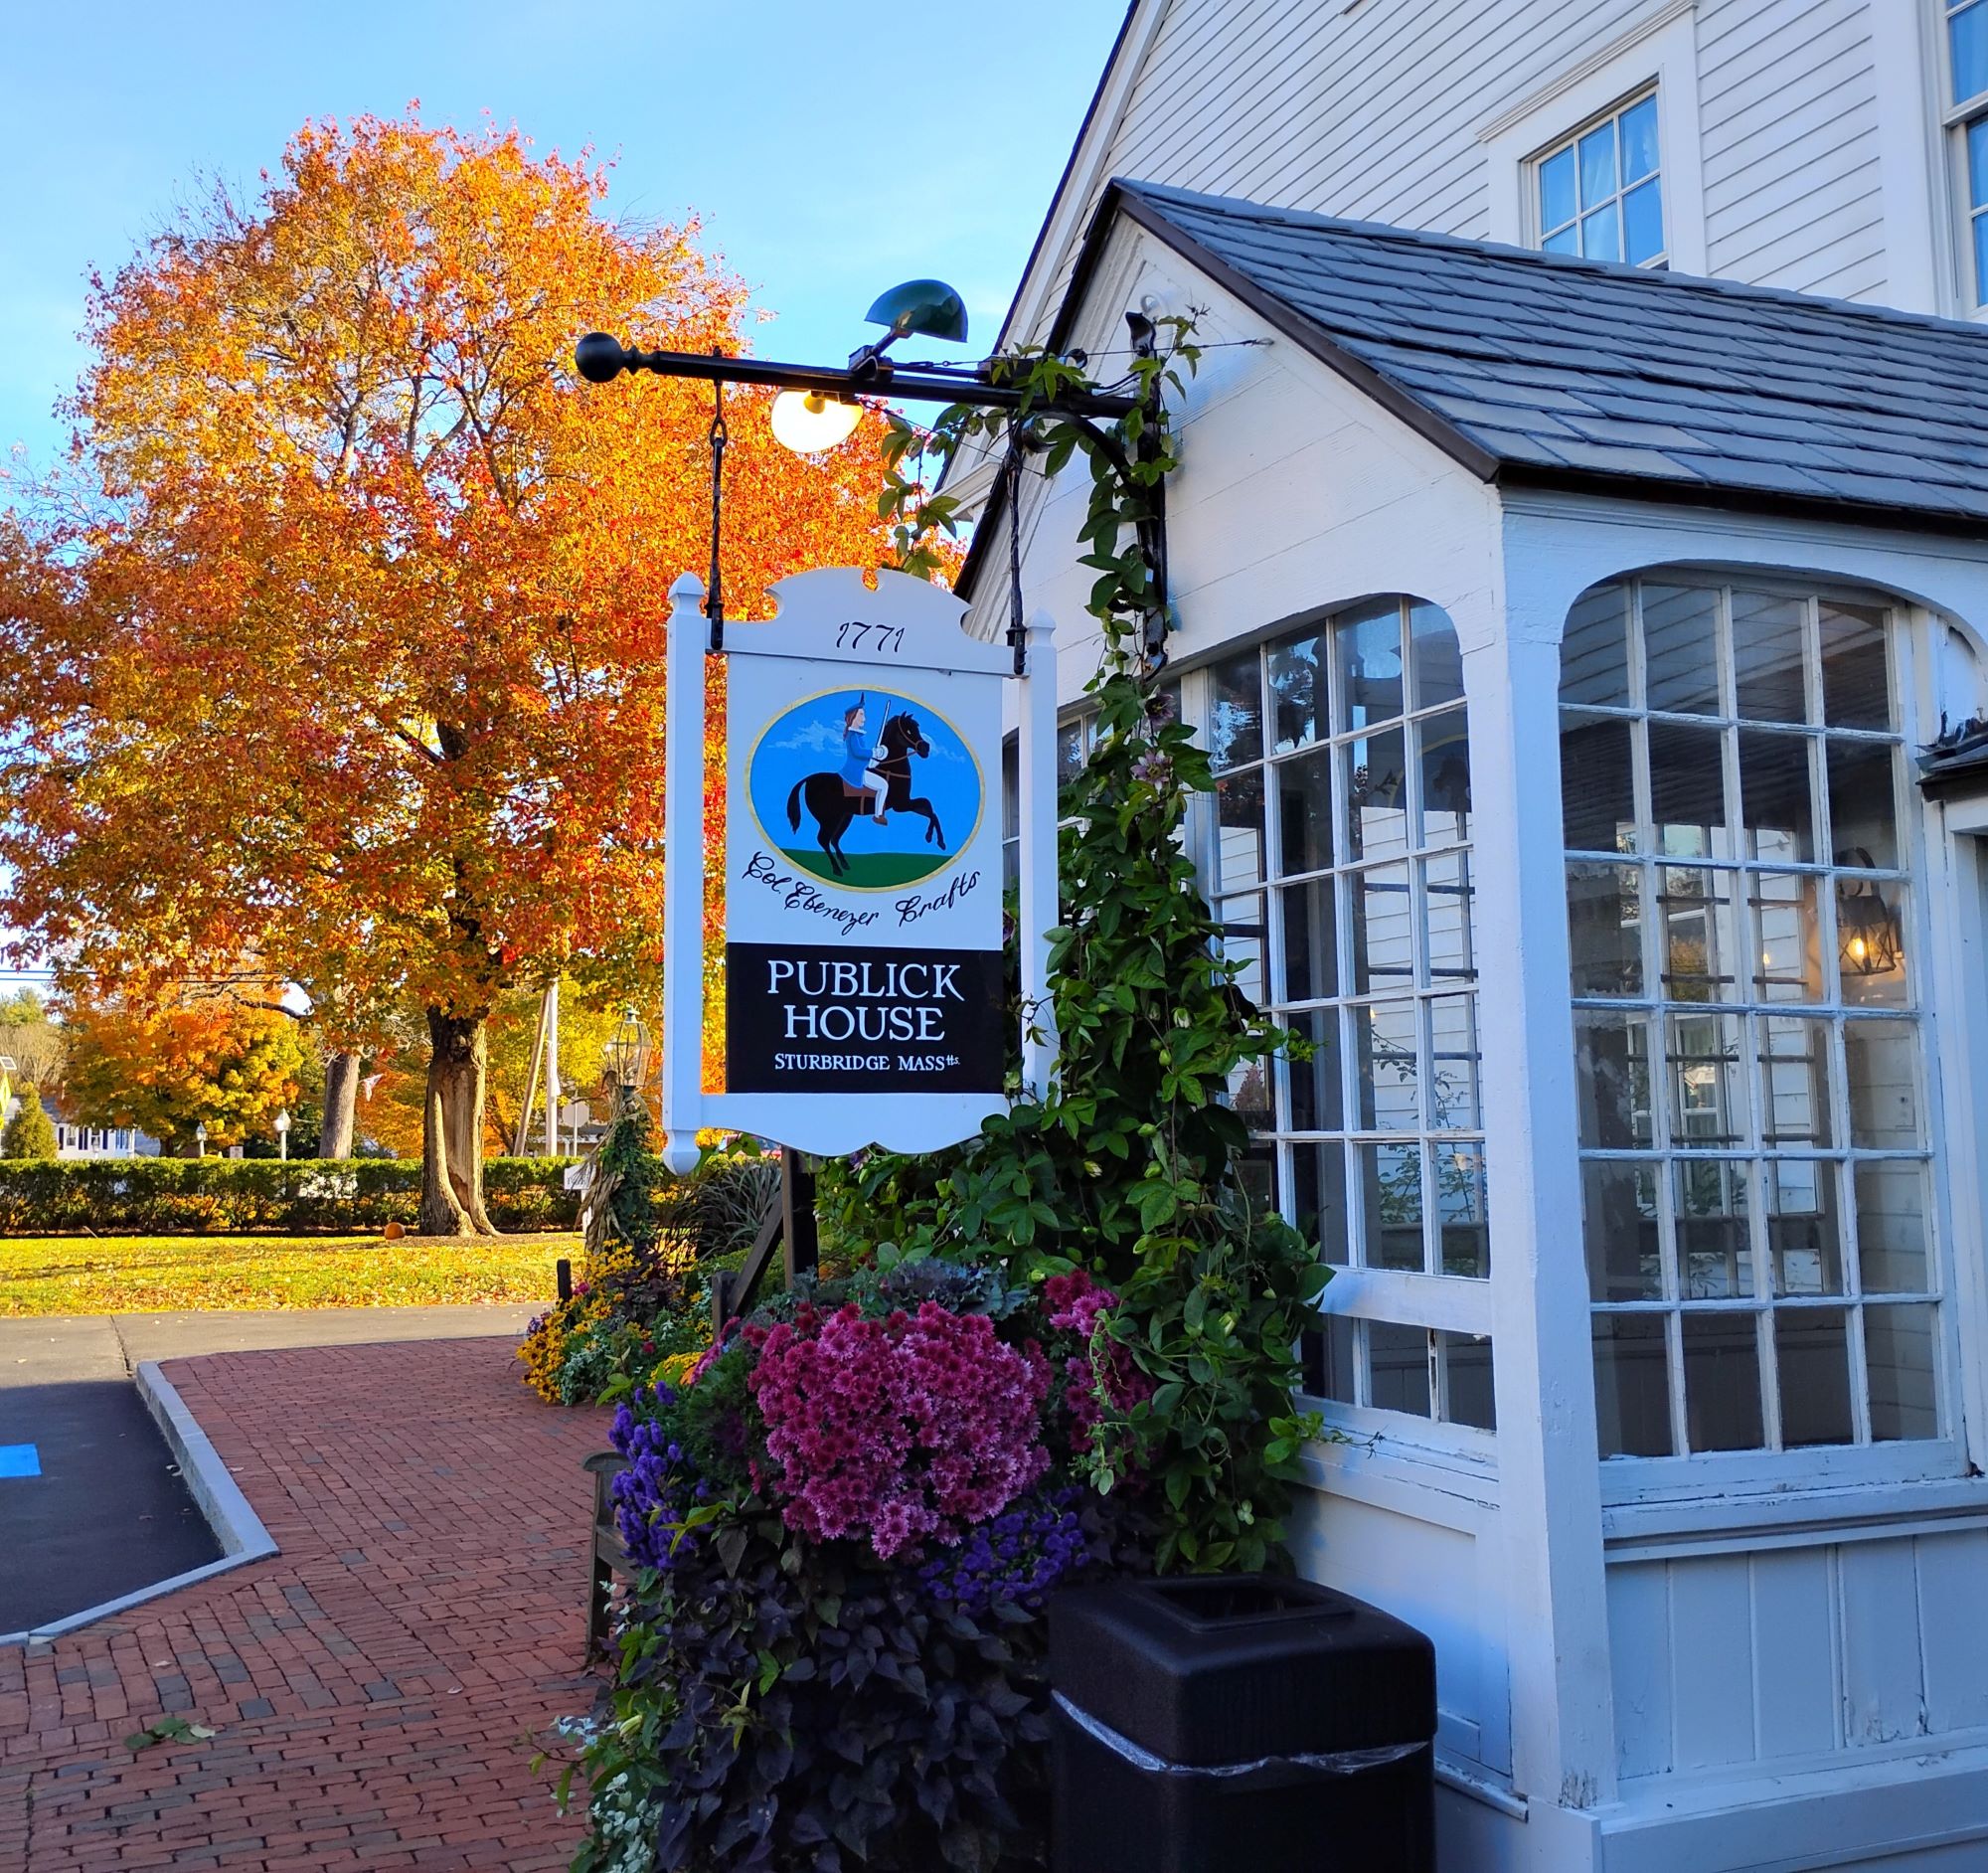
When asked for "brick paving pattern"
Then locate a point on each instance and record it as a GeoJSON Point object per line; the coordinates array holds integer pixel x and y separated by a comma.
{"type": "Point", "coordinates": [378, 1688]}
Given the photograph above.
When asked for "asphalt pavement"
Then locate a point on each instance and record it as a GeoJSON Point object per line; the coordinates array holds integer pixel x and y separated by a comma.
{"type": "Point", "coordinates": [91, 1506]}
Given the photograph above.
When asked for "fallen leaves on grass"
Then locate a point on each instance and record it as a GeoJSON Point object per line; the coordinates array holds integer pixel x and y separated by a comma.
{"type": "Point", "coordinates": [163, 1274]}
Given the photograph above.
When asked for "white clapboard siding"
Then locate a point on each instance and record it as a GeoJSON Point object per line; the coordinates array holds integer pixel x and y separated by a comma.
{"type": "Point", "coordinates": [1375, 111]}
{"type": "Point", "coordinates": [1798, 1654]}
{"type": "Point", "coordinates": [1789, 103]}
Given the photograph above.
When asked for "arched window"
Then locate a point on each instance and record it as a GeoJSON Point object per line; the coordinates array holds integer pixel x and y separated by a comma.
{"type": "Point", "coordinates": [1340, 867]}
{"type": "Point", "coordinates": [1757, 1205]}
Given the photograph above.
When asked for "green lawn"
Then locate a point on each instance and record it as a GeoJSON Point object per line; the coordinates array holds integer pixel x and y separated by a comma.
{"type": "Point", "coordinates": [160, 1273]}
{"type": "Point", "coordinates": [870, 871]}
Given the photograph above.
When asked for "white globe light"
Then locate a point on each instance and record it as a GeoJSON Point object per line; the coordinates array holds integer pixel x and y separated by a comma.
{"type": "Point", "coordinates": [808, 421]}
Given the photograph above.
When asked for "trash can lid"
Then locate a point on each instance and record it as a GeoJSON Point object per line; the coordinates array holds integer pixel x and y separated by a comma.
{"type": "Point", "coordinates": [1225, 1669]}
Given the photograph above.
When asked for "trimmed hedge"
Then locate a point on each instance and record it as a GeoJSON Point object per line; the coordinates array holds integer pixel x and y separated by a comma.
{"type": "Point", "coordinates": [171, 1196]}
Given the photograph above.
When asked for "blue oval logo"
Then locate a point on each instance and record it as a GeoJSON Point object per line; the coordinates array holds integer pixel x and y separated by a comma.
{"type": "Point", "coordinates": [865, 788]}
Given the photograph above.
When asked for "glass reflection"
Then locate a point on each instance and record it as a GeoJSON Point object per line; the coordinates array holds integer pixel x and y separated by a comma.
{"type": "Point", "coordinates": [1594, 652]}
{"type": "Point", "coordinates": [1619, 1226]}
{"type": "Point", "coordinates": [1804, 1240]}
{"type": "Point", "coordinates": [1239, 836]}
{"type": "Point", "coordinates": [1632, 1396]}
{"type": "Point", "coordinates": [1714, 1245]}
{"type": "Point", "coordinates": [1777, 797]}
{"type": "Point", "coordinates": [1383, 928]}
{"type": "Point", "coordinates": [1387, 1067]}
{"type": "Point", "coordinates": [1596, 783]}
{"type": "Point", "coordinates": [1439, 660]}
{"type": "Point", "coordinates": [1318, 1199]}
{"type": "Point", "coordinates": [1688, 790]}
{"type": "Point", "coordinates": [1708, 1089]}
{"type": "Point", "coordinates": [1700, 934]}
{"type": "Point", "coordinates": [1606, 928]}
{"type": "Point", "coordinates": [1721, 1382]}
{"type": "Point", "coordinates": [1298, 691]}
{"type": "Point", "coordinates": [1788, 962]}
{"type": "Point", "coordinates": [1305, 812]}
{"type": "Point", "coordinates": [1900, 1351]}
{"type": "Point", "coordinates": [1794, 1069]}
{"type": "Point", "coordinates": [1443, 749]}
{"type": "Point", "coordinates": [1812, 1350]}
{"type": "Point", "coordinates": [1681, 649]}
{"type": "Point", "coordinates": [1369, 644]}
{"type": "Point", "coordinates": [1893, 1247]}
{"type": "Point", "coordinates": [1399, 1368]}
{"type": "Point", "coordinates": [1236, 711]}
{"type": "Point", "coordinates": [1611, 1061]}
{"type": "Point", "coordinates": [1376, 795]}
{"type": "Point", "coordinates": [1457, 1175]}
{"type": "Point", "coordinates": [1392, 1184]}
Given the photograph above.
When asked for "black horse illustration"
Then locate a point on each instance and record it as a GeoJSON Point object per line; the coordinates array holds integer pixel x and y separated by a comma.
{"type": "Point", "coordinates": [834, 802]}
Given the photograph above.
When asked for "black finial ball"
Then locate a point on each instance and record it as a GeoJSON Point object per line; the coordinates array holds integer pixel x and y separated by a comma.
{"type": "Point", "coordinates": [599, 357]}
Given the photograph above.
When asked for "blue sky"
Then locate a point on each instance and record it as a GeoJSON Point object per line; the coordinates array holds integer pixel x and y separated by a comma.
{"type": "Point", "coordinates": [833, 148]}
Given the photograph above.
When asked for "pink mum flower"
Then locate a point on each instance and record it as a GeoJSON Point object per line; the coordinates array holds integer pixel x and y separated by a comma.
{"type": "Point", "coordinates": [911, 1428]}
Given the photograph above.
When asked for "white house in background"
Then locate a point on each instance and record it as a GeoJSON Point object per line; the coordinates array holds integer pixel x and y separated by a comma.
{"type": "Point", "coordinates": [76, 1141]}
{"type": "Point", "coordinates": [1568, 632]}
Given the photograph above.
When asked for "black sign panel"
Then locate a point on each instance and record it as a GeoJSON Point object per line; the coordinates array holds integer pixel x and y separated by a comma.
{"type": "Point", "coordinates": [808, 1019]}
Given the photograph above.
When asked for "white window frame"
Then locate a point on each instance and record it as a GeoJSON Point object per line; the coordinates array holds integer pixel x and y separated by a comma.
{"type": "Point", "coordinates": [1660, 54]}
{"type": "Point", "coordinates": [1714, 1474]}
{"type": "Point", "coordinates": [1952, 120]}
{"type": "Point", "coordinates": [1569, 145]}
{"type": "Point", "coordinates": [1454, 1304]}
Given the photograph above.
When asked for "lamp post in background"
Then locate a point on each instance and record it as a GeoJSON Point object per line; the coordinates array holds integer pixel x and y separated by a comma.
{"type": "Point", "coordinates": [625, 1058]}
{"type": "Point", "coordinates": [200, 1137]}
{"type": "Point", "coordinates": [283, 1135]}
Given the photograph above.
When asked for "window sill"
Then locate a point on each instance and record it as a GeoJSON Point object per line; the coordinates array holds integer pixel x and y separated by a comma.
{"type": "Point", "coordinates": [1871, 1506]}
{"type": "Point", "coordinates": [1434, 1473]}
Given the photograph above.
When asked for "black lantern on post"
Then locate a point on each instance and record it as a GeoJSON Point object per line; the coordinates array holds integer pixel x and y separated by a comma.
{"type": "Point", "coordinates": [625, 1057]}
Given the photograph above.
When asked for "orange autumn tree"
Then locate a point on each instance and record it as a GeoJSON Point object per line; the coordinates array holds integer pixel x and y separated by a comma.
{"type": "Point", "coordinates": [354, 655]}
{"type": "Point", "coordinates": [188, 1059]}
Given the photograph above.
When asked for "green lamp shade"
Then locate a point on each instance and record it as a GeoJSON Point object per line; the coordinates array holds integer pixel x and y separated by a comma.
{"type": "Point", "coordinates": [928, 307]}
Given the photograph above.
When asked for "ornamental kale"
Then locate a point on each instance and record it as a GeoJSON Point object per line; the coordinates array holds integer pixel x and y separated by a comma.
{"type": "Point", "coordinates": [906, 1429]}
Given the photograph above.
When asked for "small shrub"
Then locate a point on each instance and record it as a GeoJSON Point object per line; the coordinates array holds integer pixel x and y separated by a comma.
{"type": "Point", "coordinates": [29, 1134]}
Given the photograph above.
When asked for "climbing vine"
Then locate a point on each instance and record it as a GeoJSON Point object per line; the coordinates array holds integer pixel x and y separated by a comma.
{"type": "Point", "coordinates": [1126, 1166]}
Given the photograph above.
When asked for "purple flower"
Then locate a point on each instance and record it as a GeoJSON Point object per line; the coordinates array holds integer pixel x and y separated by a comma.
{"type": "Point", "coordinates": [653, 1494]}
{"type": "Point", "coordinates": [1016, 1558]}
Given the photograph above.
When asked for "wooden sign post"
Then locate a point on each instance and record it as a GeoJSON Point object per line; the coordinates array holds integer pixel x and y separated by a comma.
{"type": "Point", "coordinates": [864, 985]}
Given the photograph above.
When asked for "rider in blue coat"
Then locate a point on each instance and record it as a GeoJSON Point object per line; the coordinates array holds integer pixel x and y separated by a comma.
{"type": "Point", "coordinates": [857, 754]}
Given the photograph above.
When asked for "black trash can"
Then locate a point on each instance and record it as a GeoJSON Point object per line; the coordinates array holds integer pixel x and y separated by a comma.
{"type": "Point", "coordinates": [1239, 1724]}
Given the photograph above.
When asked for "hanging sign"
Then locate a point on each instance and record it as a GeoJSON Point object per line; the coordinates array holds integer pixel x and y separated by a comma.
{"type": "Point", "coordinates": [865, 992]}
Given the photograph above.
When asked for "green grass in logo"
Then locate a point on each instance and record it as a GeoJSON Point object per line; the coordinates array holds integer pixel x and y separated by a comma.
{"type": "Point", "coordinates": [871, 871]}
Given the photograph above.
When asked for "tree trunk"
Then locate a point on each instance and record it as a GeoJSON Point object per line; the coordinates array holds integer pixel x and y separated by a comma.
{"type": "Point", "coordinates": [453, 1127]}
{"type": "Point", "coordinates": [341, 1105]}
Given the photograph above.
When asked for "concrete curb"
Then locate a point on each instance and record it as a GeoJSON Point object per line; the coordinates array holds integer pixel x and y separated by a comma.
{"type": "Point", "coordinates": [236, 1525]}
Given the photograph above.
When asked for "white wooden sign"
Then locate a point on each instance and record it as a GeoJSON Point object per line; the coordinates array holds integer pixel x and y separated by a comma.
{"type": "Point", "coordinates": [864, 1001]}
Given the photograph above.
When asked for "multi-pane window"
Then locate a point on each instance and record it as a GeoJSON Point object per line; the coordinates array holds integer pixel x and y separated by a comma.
{"type": "Point", "coordinates": [1967, 125]}
{"type": "Point", "coordinates": [1756, 1177]}
{"type": "Point", "coordinates": [1342, 875]}
{"type": "Point", "coordinates": [1600, 193]}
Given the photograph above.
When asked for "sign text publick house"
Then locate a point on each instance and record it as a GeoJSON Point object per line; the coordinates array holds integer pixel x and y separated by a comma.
{"type": "Point", "coordinates": [865, 999]}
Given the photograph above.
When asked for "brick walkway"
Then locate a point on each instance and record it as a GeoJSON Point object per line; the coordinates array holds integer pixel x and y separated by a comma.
{"type": "Point", "coordinates": [378, 1688]}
